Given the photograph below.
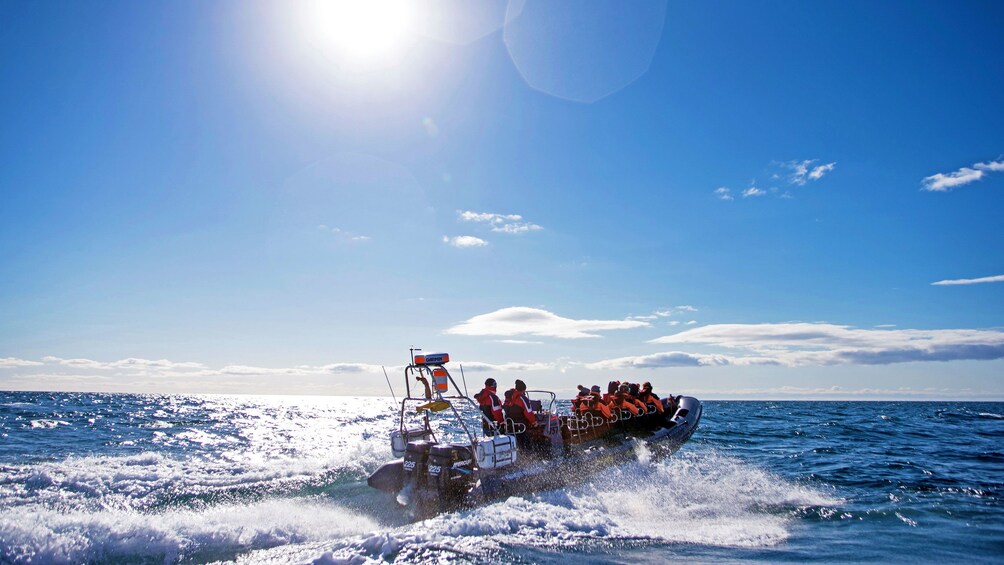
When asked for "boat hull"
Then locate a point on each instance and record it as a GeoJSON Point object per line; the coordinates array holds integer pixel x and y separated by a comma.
{"type": "Point", "coordinates": [536, 473]}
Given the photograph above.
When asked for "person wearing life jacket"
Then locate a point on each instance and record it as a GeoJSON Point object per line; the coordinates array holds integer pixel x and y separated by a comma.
{"type": "Point", "coordinates": [634, 390]}
{"type": "Point", "coordinates": [648, 397]}
{"type": "Point", "coordinates": [624, 401]}
{"type": "Point", "coordinates": [490, 406]}
{"type": "Point", "coordinates": [581, 399]}
{"type": "Point", "coordinates": [518, 406]}
{"type": "Point", "coordinates": [611, 394]}
{"type": "Point", "coordinates": [596, 403]}
{"type": "Point", "coordinates": [517, 409]}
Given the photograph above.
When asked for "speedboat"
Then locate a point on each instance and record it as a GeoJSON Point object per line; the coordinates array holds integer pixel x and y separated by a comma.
{"type": "Point", "coordinates": [449, 455]}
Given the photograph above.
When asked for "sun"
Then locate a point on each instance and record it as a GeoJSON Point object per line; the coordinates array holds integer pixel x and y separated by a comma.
{"type": "Point", "coordinates": [361, 34]}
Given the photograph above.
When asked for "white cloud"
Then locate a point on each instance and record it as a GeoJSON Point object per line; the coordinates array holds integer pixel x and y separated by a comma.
{"type": "Point", "coordinates": [943, 182]}
{"type": "Point", "coordinates": [500, 223]}
{"type": "Point", "coordinates": [519, 341]}
{"type": "Point", "coordinates": [995, 278]}
{"type": "Point", "coordinates": [130, 363]}
{"type": "Point", "coordinates": [803, 171]}
{"type": "Point", "coordinates": [797, 344]}
{"type": "Point", "coordinates": [836, 392]}
{"type": "Point", "coordinates": [818, 172]}
{"type": "Point", "coordinates": [993, 166]}
{"type": "Point", "coordinates": [15, 362]}
{"type": "Point", "coordinates": [478, 367]}
{"type": "Point", "coordinates": [463, 241]}
{"type": "Point", "coordinates": [692, 323]}
{"type": "Point", "coordinates": [675, 359]}
{"type": "Point", "coordinates": [753, 191]}
{"type": "Point", "coordinates": [521, 320]}
{"type": "Point", "coordinates": [724, 193]}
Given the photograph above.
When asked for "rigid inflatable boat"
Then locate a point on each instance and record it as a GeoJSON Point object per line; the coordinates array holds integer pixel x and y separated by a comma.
{"type": "Point", "coordinates": [449, 455]}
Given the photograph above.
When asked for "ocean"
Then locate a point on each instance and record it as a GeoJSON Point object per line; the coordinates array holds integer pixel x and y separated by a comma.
{"type": "Point", "coordinates": [135, 478]}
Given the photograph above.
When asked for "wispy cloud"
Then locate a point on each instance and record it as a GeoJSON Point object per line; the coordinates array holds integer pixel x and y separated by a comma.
{"type": "Point", "coordinates": [944, 182]}
{"type": "Point", "coordinates": [797, 344]}
{"type": "Point", "coordinates": [478, 367]}
{"type": "Point", "coordinates": [675, 359]}
{"type": "Point", "coordinates": [521, 320]}
{"type": "Point", "coordinates": [500, 223]}
{"type": "Point", "coordinates": [343, 235]}
{"type": "Point", "coordinates": [838, 393]}
{"type": "Point", "coordinates": [795, 173]}
{"type": "Point", "coordinates": [8, 362]}
{"type": "Point", "coordinates": [664, 313]}
{"type": "Point", "coordinates": [995, 278]}
{"type": "Point", "coordinates": [804, 171]}
{"type": "Point", "coordinates": [464, 241]}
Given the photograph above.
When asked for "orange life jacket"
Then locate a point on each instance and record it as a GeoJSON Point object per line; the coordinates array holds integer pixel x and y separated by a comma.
{"type": "Point", "coordinates": [490, 404]}
{"type": "Point", "coordinates": [649, 398]}
{"type": "Point", "coordinates": [518, 408]}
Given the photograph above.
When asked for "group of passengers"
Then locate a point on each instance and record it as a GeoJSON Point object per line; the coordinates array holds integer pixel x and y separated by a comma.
{"type": "Point", "coordinates": [631, 397]}
{"type": "Point", "coordinates": [516, 408]}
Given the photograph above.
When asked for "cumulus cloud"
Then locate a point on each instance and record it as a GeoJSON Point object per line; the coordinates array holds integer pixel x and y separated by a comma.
{"type": "Point", "coordinates": [724, 193]}
{"type": "Point", "coordinates": [464, 241]}
{"type": "Point", "coordinates": [798, 344]}
{"type": "Point", "coordinates": [521, 320]}
{"type": "Point", "coordinates": [995, 278]}
{"type": "Point", "coordinates": [753, 191]}
{"type": "Point", "coordinates": [944, 182]}
{"type": "Point", "coordinates": [500, 223]}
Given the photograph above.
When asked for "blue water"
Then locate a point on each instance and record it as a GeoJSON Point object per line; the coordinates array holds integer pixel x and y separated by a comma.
{"type": "Point", "coordinates": [155, 478]}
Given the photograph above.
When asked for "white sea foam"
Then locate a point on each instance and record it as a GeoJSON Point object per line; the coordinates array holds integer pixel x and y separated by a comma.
{"type": "Point", "coordinates": [44, 535]}
{"type": "Point", "coordinates": [48, 423]}
{"type": "Point", "coordinates": [149, 479]}
{"type": "Point", "coordinates": [697, 498]}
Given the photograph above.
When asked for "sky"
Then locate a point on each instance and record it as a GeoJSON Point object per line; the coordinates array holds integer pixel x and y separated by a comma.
{"type": "Point", "coordinates": [763, 200]}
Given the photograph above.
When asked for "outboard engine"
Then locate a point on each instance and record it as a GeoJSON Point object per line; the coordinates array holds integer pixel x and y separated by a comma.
{"type": "Point", "coordinates": [451, 471]}
{"type": "Point", "coordinates": [416, 463]}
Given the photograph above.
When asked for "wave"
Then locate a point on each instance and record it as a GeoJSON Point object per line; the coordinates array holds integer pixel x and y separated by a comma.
{"type": "Point", "coordinates": [704, 498]}
{"type": "Point", "coordinates": [150, 480]}
{"type": "Point", "coordinates": [47, 535]}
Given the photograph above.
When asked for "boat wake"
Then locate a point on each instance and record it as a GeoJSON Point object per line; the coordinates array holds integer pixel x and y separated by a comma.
{"type": "Point", "coordinates": [701, 497]}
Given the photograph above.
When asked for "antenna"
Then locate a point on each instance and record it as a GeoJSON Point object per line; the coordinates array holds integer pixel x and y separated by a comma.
{"type": "Point", "coordinates": [464, 379]}
{"type": "Point", "coordinates": [388, 383]}
{"type": "Point", "coordinates": [413, 350]}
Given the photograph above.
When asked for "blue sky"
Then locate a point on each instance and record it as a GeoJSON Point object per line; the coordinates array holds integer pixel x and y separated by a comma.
{"type": "Point", "coordinates": [740, 200]}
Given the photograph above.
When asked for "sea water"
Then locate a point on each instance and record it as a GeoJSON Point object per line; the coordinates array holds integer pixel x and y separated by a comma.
{"type": "Point", "coordinates": [173, 478]}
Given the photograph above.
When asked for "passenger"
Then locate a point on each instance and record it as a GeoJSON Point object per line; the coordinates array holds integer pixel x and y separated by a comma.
{"type": "Point", "coordinates": [517, 409]}
{"type": "Point", "coordinates": [517, 406]}
{"type": "Point", "coordinates": [490, 406]}
{"type": "Point", "coordinates": [580, 399]}
{"type": "Point", "coordinates": [633, 391]}
{"type": "Point", "coordinates": [624, 401]}
{"type": "Point", "coordinates": [648, 397]}
{"type": "Point", "coordinates": [597, 402]}
{"type": "Point", "coordinates": [611, 396]}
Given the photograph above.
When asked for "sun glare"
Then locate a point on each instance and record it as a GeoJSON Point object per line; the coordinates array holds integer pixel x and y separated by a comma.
{"type": "Point", "coordinates": [361, 34]}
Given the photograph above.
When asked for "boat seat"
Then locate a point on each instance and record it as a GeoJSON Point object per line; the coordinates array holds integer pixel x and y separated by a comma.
{"type": "Point", "coordinates": [514, 427]}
